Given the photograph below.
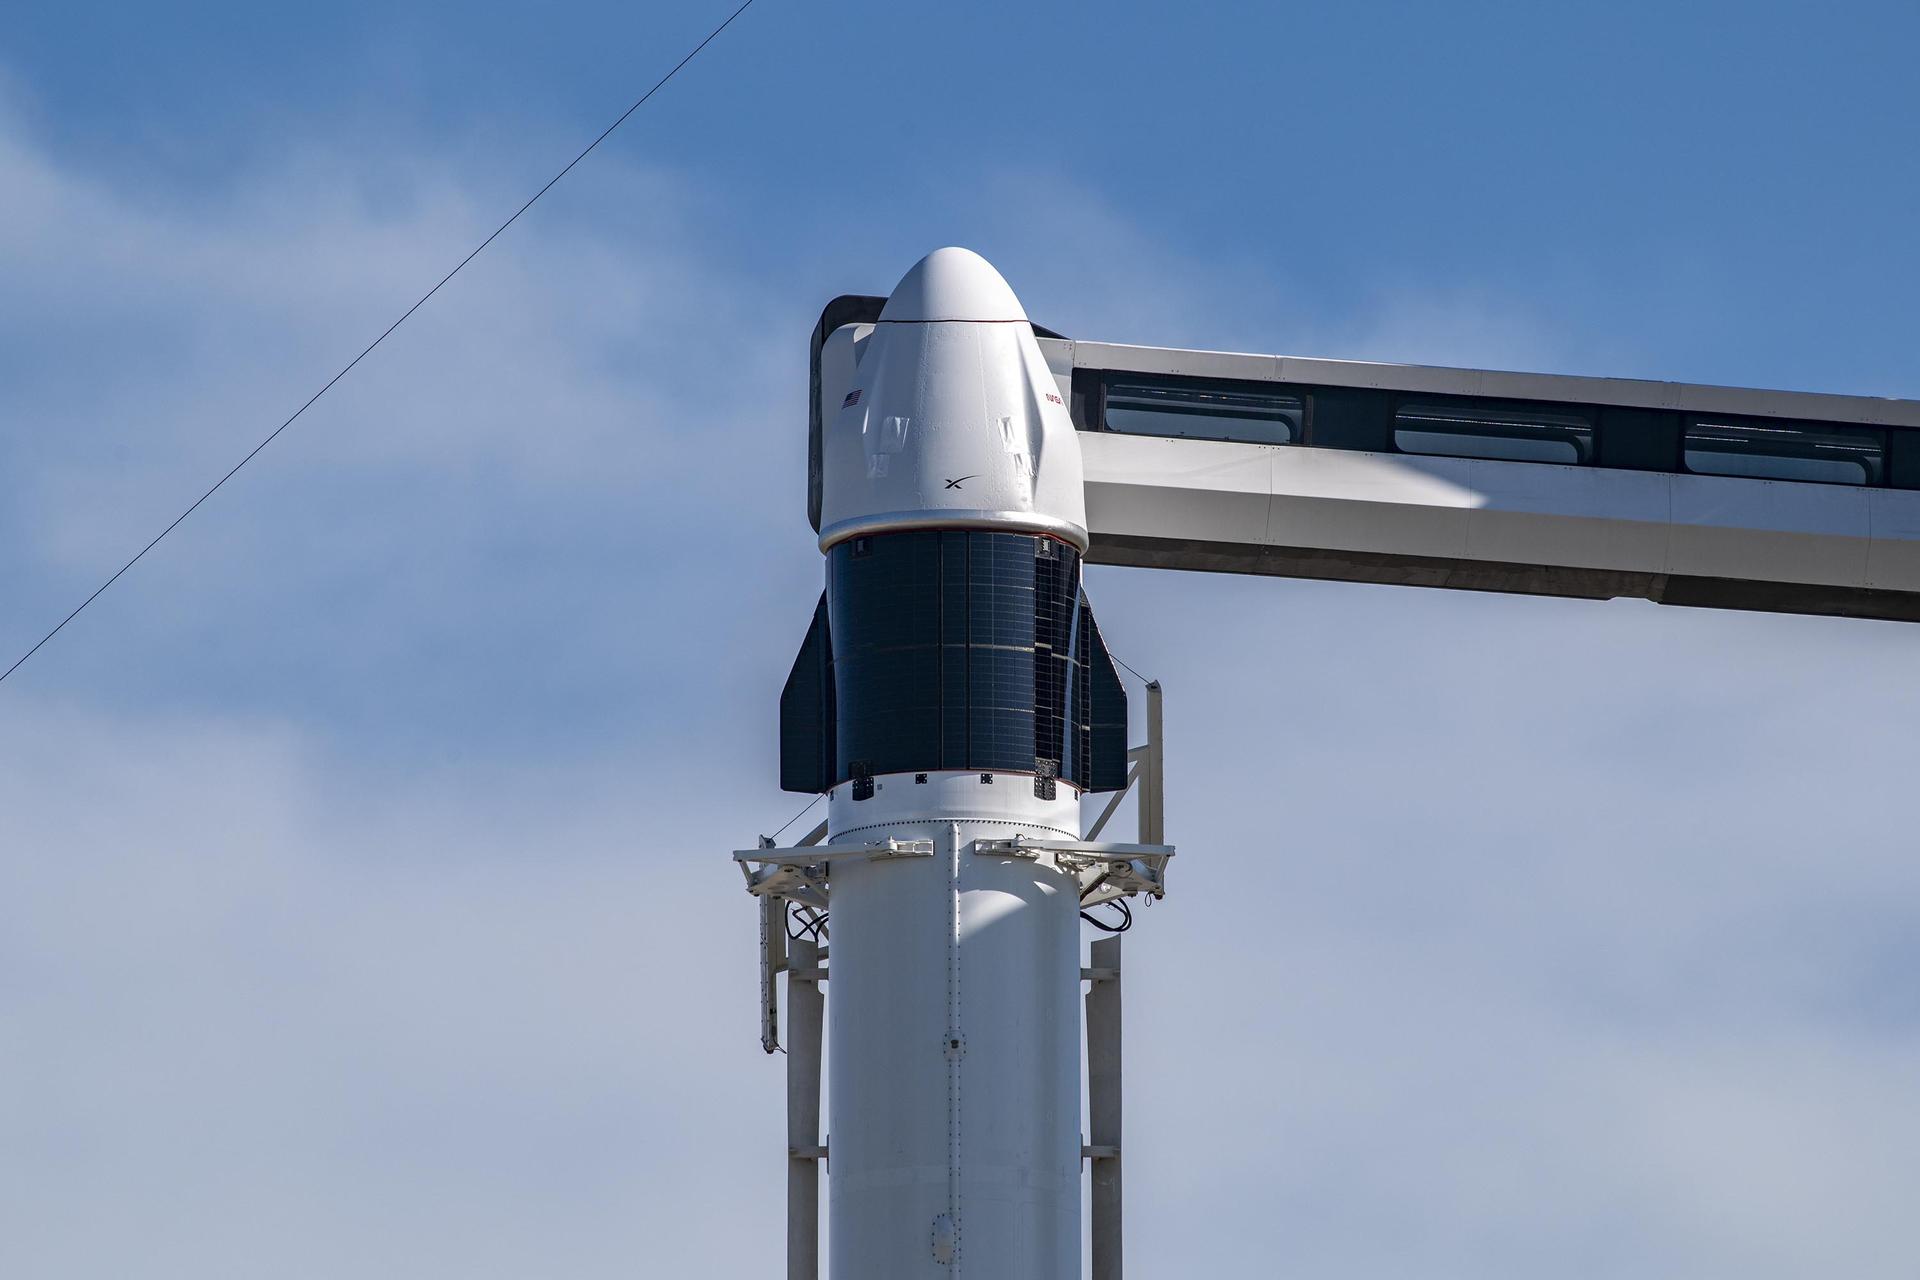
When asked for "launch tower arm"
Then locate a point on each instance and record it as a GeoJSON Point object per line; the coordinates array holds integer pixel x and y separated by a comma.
{"type": "Point", "coordinates": [1489, 481]}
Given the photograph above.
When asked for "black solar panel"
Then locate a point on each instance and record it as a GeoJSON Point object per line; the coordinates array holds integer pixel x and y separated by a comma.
{"type": "Point", "coordinates": [807, 712]}
{"type": "Point", "coordinates": [960, 650]}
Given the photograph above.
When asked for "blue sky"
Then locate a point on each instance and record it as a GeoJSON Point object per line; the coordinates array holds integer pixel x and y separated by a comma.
{"type": "Point", "coordinates": [367, 904]}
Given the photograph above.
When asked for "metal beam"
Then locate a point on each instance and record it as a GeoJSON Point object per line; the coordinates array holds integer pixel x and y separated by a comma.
{"type": "Point", "coordinates": [1505, 577]}
{"type": "Point", "coordinates": [1153, 818]}
{"type": "Point", "coordinates": [1481, 525]}
{"type": "Point", "coordinates": [806, 1010]}
{"type": "Point", "coordinates": [773, 961]}
{"type": "Point", "coordinates": [1103, 1146]}
{"type": "Point", "coordinates": [1113, 802]}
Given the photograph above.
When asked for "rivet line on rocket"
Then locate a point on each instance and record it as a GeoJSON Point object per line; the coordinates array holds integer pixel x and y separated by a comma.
{"type": "Point", "coordinates": [956, 1040]}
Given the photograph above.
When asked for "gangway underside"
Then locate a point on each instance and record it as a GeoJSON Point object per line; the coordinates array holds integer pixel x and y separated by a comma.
{"type": "Point", "coordinates": [1467, 524]}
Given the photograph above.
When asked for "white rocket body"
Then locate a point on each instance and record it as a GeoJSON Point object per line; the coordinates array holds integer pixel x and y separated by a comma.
{"type": "Point", "coordinates": [954, 1064]}
{"type": "Point", "coordinates": [954, 1159]}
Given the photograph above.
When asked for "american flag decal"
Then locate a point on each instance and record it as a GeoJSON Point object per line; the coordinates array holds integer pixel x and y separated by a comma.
{"type": "Point", "coordinates": [853, 398]}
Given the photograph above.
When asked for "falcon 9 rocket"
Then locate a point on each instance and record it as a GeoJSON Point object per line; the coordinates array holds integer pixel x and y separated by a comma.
{"type": "Point", "coordinates": [952, 696]}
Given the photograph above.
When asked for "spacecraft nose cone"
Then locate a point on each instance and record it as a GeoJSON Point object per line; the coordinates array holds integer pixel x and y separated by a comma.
{"type": "Point", "coordinates": [952, 284]}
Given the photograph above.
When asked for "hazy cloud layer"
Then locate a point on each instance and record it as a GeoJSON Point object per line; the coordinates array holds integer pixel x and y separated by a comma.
{"type": "Point", "coordinates": [367, 903]}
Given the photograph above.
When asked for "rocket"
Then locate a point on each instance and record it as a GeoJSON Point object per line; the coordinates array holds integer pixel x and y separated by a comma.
{"type": "Point", "coordinates": [954, 701]}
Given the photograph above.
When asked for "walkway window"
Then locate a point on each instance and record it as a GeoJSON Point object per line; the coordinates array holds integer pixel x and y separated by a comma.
{"type": "Point", "coordinates": [1202, 411]}
{"type": "Point", "coordinates": [1500, 432]}
{"type": "Point", "coordinates": [1766, 449]}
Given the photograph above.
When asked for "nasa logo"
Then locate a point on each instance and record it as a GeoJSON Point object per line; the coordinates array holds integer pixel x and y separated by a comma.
{"type": "Point", "coordinates": [1056, 399]}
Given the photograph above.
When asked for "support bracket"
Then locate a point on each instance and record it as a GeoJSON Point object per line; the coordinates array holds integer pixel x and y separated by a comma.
{"type": "Point", "coordinates": [800, 873]}
{"type": "Point", "coordinates": [1104, 870]}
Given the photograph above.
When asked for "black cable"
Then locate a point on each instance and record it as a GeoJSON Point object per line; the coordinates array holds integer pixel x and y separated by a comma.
{"type": "Point", "coordinates": [1123, 662]}
{"type": "Point", "coordinates": [658, 85]}
{"type": "Point", "coordinates": [796, 817]}
{"type": "Point", "coordinates": [1126, 918]}
{"type": "Point", "coordinates": [814, 927]}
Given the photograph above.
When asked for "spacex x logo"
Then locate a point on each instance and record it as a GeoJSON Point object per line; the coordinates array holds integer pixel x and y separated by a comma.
{"type": "Point", "coordinates": [955, 484]}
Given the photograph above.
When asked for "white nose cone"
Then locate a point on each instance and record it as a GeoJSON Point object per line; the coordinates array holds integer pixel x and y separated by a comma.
{"type": "Point", "coordinates": [954, 420]}
{"type": "Point", "coordinates": [953, 284]}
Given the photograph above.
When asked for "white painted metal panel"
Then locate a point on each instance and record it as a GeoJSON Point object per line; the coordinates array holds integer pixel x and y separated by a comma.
{"type": "Point", "coordinates": [1210, 494]}
{"type": "Point", "coordinates": [1166, 489]}
{"type": "Point", "coordinates": [839, 354]}
{"type": "Point", "coordinates": [1769, 531]}
{"type": "Point", "coordinates": [1365, 502]}
{"type": "Point", "coordinates": [1190, 364]}
{"type": "Point", "coordinates": [926, 950]}
{"type": "Point", "coordinates": [1582, 517]}
{"type": "Point", "coordinates": [1058, 353]}
{"type": "Point", "coordinates": [1893, 554]}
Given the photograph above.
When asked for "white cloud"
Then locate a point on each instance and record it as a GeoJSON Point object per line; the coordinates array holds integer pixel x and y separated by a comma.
{"type": "Point", "coordinates": [1562, 935]}
{"type": "Point", "coordinates": [549, 362]}
{"type": "Point", "coordinates": [367, 905]}
{"type": "Point", "coordinates": [265, 1012]}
